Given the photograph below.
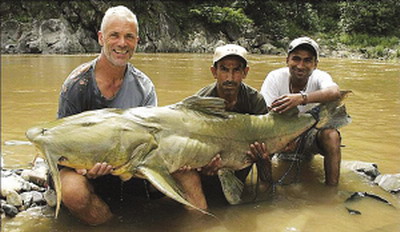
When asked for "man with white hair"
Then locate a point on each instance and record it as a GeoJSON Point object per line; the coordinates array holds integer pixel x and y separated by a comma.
{"type": "Point", "coordinates": [301, 85]}
{"type": "Point", "coordinates": [109, 81]}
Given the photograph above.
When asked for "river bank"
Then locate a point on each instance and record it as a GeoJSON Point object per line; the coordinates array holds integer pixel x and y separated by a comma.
{"type": "Point", "coordinates": [70, 27]}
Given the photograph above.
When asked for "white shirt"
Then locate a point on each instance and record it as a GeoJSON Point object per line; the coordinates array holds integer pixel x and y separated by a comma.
{"type": "Point", "coordinates": [276, 84]}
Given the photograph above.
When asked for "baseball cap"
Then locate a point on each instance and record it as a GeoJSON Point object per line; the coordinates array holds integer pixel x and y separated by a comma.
{"type": "Point", "coordinates": [229, 50]}
{"type": "Point", "coordinates": [304, 41]}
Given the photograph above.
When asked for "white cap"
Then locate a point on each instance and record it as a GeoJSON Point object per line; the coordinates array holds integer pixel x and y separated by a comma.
{"type": "Point", "coordinates": [229, 50]}
{"type": "Point", "coordinates": [304, 40]}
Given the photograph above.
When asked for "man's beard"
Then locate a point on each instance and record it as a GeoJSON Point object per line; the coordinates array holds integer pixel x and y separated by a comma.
{"type": "Point", "coordinates": [230, 83]}
{"type": "Point", "coordinates": [229, 87]}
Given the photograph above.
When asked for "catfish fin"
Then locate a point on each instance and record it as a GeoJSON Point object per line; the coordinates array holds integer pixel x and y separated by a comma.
{"type": "Point", "coordinates": [125, 171]}
{"type": "Point", "coordinates": [55, 173]}
{"type": "Point", "coordinates": [332, 114]}
{"type": "Point", "coordinates": [164, 182]}
{"type": "Point", "coordinates": [208, 105]}
{"type": "Point", "coordinates": [231, 186]}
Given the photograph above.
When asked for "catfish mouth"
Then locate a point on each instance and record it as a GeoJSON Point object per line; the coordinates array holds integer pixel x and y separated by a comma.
{"type": "Point", "coordinates": [64, 161]}
{"type": "Point", "coordinates": [34, 133]}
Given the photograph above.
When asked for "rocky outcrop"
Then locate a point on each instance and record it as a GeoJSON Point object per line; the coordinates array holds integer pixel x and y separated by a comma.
{"type": "Point", "coordinates": [66, 27]}
{"type": "Point", "coordinates": [70, 27]}
{"type": "Point", "coordinates": [40, 27]}
{"type": "Point", "coordinates": [48, 36]}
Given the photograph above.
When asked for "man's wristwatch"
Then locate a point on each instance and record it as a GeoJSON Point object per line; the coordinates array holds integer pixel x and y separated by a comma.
{"type": "Point", "coordinates": [304, 95]}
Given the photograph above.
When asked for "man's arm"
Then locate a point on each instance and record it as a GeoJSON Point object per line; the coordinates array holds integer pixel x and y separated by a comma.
{"type": "Point", "coordinates": [289, 101]}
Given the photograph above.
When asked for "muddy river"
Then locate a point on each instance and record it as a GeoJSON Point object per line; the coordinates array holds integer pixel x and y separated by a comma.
{"type": "Point", "coordinates": [29, 95]}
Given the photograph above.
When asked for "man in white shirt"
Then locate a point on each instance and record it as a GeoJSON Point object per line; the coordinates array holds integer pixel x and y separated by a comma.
{"type": "Point", "coordinates": [301, 85]}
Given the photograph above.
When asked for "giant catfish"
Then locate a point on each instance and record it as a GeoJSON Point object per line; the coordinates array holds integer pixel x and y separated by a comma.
{"type": "Point", "coordinates": [153, 142]}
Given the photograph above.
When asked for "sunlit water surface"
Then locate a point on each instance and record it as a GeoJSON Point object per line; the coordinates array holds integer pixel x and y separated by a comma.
{"type": "Point", "coordinates": [29, 94]}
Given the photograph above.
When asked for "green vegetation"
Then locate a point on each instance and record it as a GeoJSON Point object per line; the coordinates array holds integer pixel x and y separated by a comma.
{"type": "Point", "coordinates": [368, 26]}
{"type": "Point", "coordinates": [365, 40]}
{"type": "Point", "coordinates": [222, 16]}
{"type": "Point", "coordinates": [373, 46]}
{"type": "Point", "coordinates": [370, 17]}
{"type": "Point", "coordinates": [230, 20]}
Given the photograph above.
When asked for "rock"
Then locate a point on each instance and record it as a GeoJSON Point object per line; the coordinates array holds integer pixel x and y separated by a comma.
{"type": "Point", "coordinates": [36, 177]}
{"type": "Point", "coordinates": [356, 196]}
{"type": "Point", "coordinates": [38, 198]}
{"type": "Point", "coordinates": [5, 172]}
{"type": "Point", "coordinates": [10, 31]}
{"type": "Point", "coordinates": [17, 171]}
{"type": "Point", "coordinates": [389, 182]}
{"type": "Point", "coordinates": [196, 42]}
{"type": "Point", "coordinates": [270, 49]}
{"type": "Point", "coordinates": [50, 197]}
{"type": "Point", "coordinates": [31, 195]}
{"type": "Point", "coordinates": [26, 199]}
{"type": "Point", "coordinates": [12, 182]}
{"type": "Point", "coordinates": [366, 169]}
{"type": "Point", "coordinates": [57, 37]}
{"type": "Point", "coordinates": [13, 198]}
{"type": "Point", "coordinates": [39, 211]}
{"type": "Point", "coordinates": [9, 210]}
{"type": "Point", "coordinates": [49, 36]}
{"type": "Point", "coordinates": [38, 173]}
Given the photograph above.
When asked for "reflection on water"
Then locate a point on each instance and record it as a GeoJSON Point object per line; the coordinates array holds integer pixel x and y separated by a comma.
{"type": "Point", "coordinates": [29, 95]}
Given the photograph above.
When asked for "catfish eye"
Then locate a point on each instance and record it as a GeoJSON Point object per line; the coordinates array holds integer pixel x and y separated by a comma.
{"type": "Point", "coordinates": [43, 131]}
{"type": "Point", "coordinates": [62, 159]}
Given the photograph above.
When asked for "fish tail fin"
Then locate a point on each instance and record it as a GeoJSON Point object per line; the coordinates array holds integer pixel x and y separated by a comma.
{"type": "Point", "coordinates": [164, 182]}
{"type": "Point", "coordinates": [55, 173]}
{"type": "Point", "coordinates": [231, 186]}
{"type": "Point", "coordinates": [332, 114]}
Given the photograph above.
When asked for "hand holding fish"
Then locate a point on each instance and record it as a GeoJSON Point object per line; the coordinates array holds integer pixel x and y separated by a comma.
{"type": "Point", "coordinates": [258, 151]}
{"type": "Point", "coordinates": [287, 102]}
{"type": "Point", "coordinates": [99, 169]}
{"type": "Point", "coordinates": [212, 167]}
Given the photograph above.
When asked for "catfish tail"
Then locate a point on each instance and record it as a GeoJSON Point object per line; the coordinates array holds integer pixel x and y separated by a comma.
{"type": "Point", "coordinates": [332, 114]}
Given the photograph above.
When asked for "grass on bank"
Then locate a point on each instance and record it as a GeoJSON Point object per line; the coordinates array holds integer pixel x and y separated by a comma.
{"type": "Point", "coordinates": [373, 47]}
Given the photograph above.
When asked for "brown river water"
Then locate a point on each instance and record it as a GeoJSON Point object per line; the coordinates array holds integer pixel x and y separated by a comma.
{"type": "Point", "coordinates": [29, 95]}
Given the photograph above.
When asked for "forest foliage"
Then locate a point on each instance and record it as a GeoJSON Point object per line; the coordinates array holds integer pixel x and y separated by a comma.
{"type": "Point", "coordinates": [370, 27]}
{"type": "Point", "coordinates": [367, 25]}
